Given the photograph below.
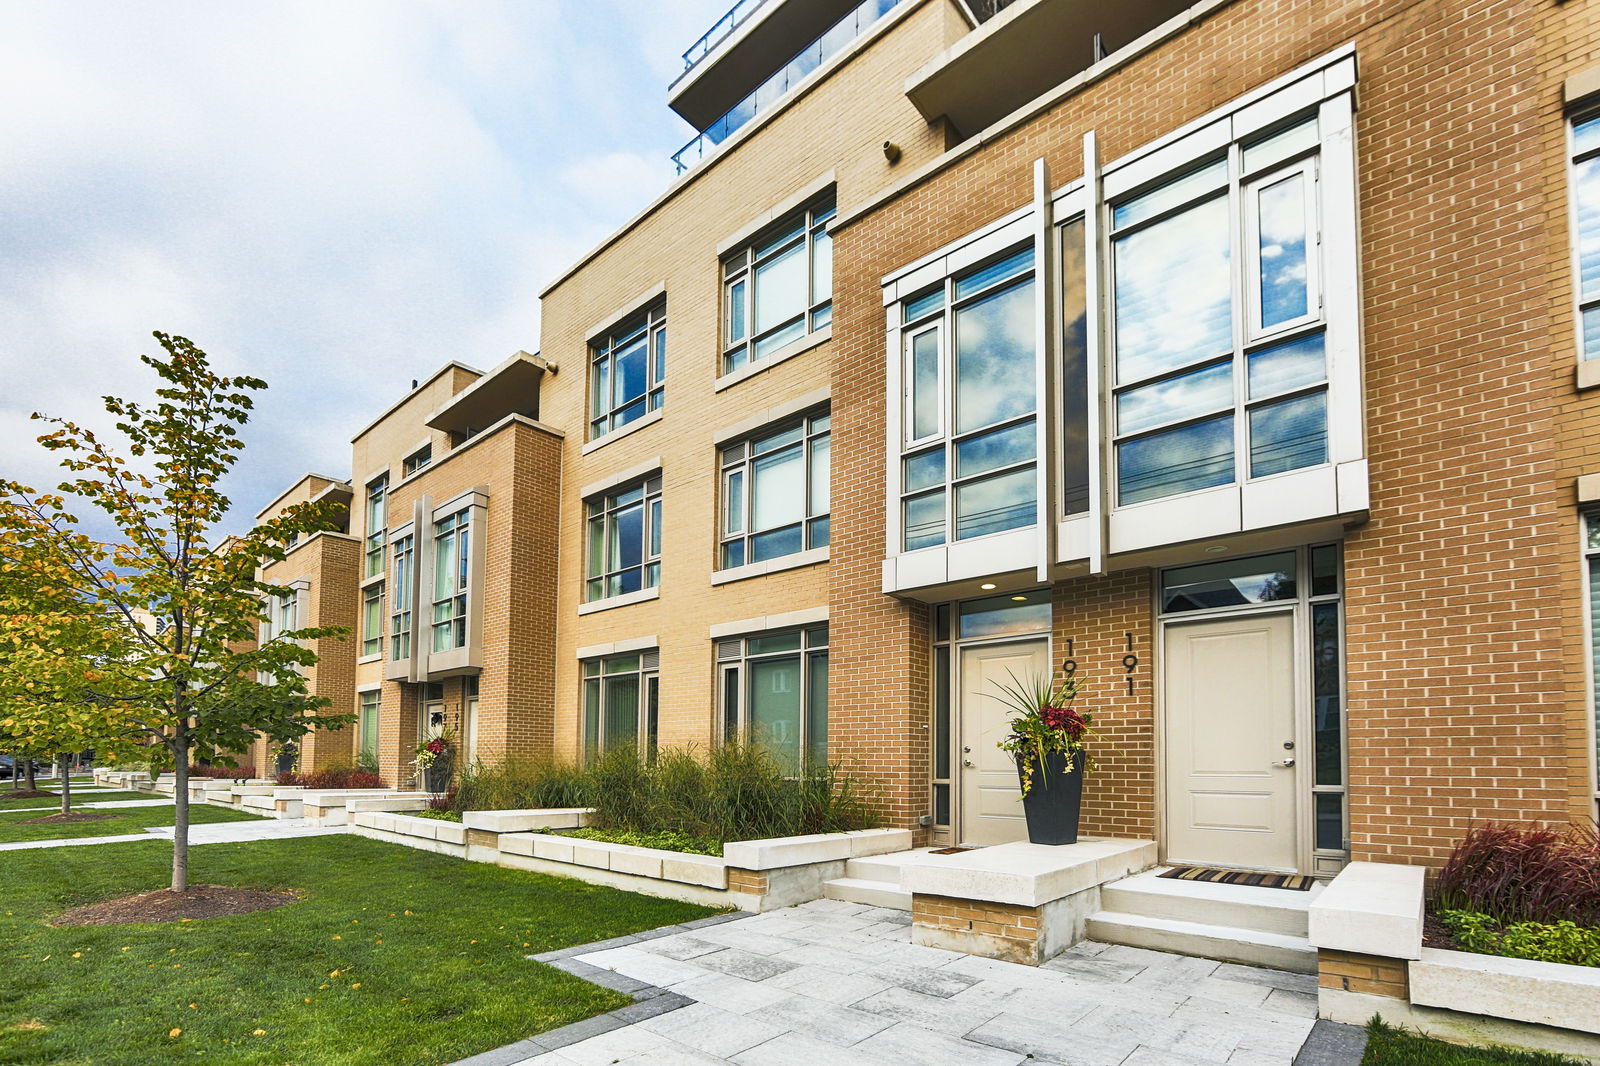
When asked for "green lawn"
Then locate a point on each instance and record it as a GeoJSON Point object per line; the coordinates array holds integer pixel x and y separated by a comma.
{"type": "Point", "coordinates": [123, 820]}
{"type": "Point", "coordinates": [9, 804]}
{"type": "Point", "coordinates": [394, 957]}
{"type": "Point", "coordinates": [1389, 1046]}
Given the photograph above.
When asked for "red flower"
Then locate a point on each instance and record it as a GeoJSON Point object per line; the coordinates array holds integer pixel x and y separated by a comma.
{"type": "Point", "coordinates": [1064, 720]}
{"type": "Point", "coordinates": [436, 746]}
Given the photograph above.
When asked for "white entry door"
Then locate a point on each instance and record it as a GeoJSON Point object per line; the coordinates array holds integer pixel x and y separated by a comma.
{"type": "Point", "coordinates": [991, 799]}
{"type": "Point", "coordinates": [1229, 713]}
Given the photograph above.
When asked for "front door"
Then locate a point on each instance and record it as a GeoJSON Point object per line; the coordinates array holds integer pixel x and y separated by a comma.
{"type": "Point", "coordinates": [991, 800]}
{"type": "Point", "coordinates": [1229, 708]}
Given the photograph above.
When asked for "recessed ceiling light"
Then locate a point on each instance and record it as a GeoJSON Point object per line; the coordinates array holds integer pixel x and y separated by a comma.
{"type": "Point", "coordinates": [987, 585]}
{"type": "Point", "coordinates": [1216, 549]}
{"type": "Point", "coordinates": [1020, 599]}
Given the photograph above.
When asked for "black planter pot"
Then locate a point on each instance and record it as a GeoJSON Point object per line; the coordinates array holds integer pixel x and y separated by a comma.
{"type": "Point", "coordinates": [436, 778]}
{"type": "Point", "coordinates": [1055, 800]}
{"type": "Point", "coordinates": [286, 762]}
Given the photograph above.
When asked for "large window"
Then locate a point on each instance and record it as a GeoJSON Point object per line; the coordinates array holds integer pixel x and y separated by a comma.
{"type": "Point", "coordinates": [627, 371]}
{"type": "Point", "coordinates": [1592, 562]}
{"type": "Point", "coordinates": [779, 288]}
{"type": "Point", "coordinates": [970, 398]}
{"type": "Point", "coordinates": [774, 692]}
{"type": "Point", "coordinates": [367, 724]}
{"type": "Point", "coordinates": [625, 540]}
{"type": "Point", "coordinates": [377, 519]}
{"type": "Point", "coordinates": [452, 540]}
{"type": "Point", "coordinates": [1586, 211]}
{"type": "Point", "coordinates": [417, 460]}
{"type": "Point", "coordinates": [775, 492]}
{"type": "Point", "coordinates": [1220, 369]}
{"type": "Point", "coordinates": [286, 617]}
{"type": "Point", "coordinates": [405, 561]}
{"type": "Point", "coordinates": [620, 698]}
{"type": "Point", "coordinates": [372, 619]}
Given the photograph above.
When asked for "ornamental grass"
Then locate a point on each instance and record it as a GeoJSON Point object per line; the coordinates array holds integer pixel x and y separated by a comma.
{"type": "Point", "coordinates": [1524, 873]}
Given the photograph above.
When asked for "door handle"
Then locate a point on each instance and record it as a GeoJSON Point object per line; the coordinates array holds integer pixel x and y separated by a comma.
{"type": "Point", "coordinates": [966, 762]}
{"type": "Point", "coordinates": [1287, 762]}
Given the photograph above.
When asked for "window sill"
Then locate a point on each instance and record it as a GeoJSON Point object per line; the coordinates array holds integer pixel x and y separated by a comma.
{"type": "Point", "coordinates": [375, 658]}
{"type": "Point", "coordinates": [617, 434]}
{"type": "Point", "coordinates": [374, 579]}
{"type": "Point", "coordinates": [623, 600]}
{"type": "Point", "coordinates": [770, 566]}
{"type": "Point", "coordinates": [788, 351]}
{"type": "Point", "coordinates": [1588, 374]}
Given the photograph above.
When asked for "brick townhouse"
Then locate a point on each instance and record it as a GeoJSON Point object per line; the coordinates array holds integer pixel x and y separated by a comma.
{"type": "Point", "coordinates": [1236, 356]}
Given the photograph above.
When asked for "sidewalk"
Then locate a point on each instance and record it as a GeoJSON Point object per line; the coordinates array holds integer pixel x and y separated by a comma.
{"type": "Point", "coordinates": [209, 833]}
{"type": "Point", "coordinates": [829, 983]}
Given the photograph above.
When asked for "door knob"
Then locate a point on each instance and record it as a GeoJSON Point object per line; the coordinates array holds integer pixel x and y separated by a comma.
{"type": "Point", "coordinates": [1287, 762]}
{"type": "Point", "coordinates": [966, 762]}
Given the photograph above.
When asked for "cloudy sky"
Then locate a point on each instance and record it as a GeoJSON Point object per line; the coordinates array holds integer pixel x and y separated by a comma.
{"type": "Point", "coordinates": [337, 196]}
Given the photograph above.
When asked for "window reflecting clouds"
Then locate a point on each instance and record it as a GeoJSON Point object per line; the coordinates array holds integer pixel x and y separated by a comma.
{"type": "Point", "coordinates": [1174, 303]}
{"type": "Point", "coordinates": [994, 358]}
{"type": "Point", "coordinates": [1282, 249]}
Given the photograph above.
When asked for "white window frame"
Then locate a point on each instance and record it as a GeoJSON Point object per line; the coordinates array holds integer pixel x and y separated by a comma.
{"type": "Point", "coordinates": [377, 504]}
{"type": "Point", "coordinates": [1580, 306]}
{"type": "Point", "coordinates": [372, 610]}
{"type": "Point", "coordinates": [417, 460]}
{"type": "Point", "coordinates": [604, 507]}
{"type": "Point", "coordinates": [738, 465]}
{"type": "Point", "coordinates": [733, 657]}
{"type": "Point", "coordinates": [592, 677]}
{"type": "Point", "coordinates": [403, 551]}
{"type": "Point", "coordinates": [808, 226]}
{"type": "Point", "coordinates": [604, 412]}
{"type": "Point", "coordinates": [369, 707]}
{"type": "Point", "coordinates": [449, 610]}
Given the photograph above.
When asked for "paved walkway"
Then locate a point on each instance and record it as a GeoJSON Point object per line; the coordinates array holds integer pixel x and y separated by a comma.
{"type": "Point", "coordinates": [839, 984]}
{"type": "Point", "coordinates": [208, 833]}
{"type": "Point", "coordinates": [106, 804]}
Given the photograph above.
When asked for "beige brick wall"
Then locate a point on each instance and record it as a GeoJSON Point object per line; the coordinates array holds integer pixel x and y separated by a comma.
{"type": "Point", "coordinates": [838, 128]}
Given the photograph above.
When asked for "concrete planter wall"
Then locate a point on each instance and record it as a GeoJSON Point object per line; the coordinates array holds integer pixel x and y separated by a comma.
{"type": "Point", "coordinates": [1367, 929]}
{"type": "Point", "coordinates": [754, 875]}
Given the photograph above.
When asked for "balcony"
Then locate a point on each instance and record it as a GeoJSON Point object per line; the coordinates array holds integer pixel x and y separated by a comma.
{"type": "Point", "coordinates": [737, 51]}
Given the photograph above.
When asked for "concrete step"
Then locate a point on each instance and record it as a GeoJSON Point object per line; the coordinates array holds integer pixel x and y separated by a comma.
{"type": "Point", "coordinates": [869, 892]}
{"type": "Point", "coordinates": [884, 868]}
{"type": "Point", "coordinates": [1227, 943]}
{"type": "Point", "coordinates": [1266, 910]}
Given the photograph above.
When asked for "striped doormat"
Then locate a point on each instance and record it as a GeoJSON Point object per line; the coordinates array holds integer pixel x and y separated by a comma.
{"type": "Point", "coordinates": [1293, 882]}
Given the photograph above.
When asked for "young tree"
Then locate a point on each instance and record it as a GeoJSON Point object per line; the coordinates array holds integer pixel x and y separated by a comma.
{"type": "Point", "coordinates": [199, 678]}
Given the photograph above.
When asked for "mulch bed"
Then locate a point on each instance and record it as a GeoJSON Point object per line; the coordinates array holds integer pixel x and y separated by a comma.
{"type": "Point", "coordinates": [28, 794]}
{"type": "Point", "coordinates": [1435, 934]}
{"type": "Point", "coordinates": [51, 819]}
{"type": "Point", "coordinates": [195, 903]}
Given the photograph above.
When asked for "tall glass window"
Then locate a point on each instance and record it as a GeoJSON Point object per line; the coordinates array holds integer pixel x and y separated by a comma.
{"type": "Point", "coordinates": [372, 619]}
{"type": "Point", "coordinates": [628, 371]}
{"type": "Point", "coordinates": [367, 725]}
{"type": "Point", "coordinates": [967, 462]}
{"type": "Point", "coordinates": [1220, 372]}
{"type": "Point", "coordinates": [625, 540]}
{"type": "Point", "coordinates": [774, 692]}
{"type": "Point", "coordinates": [377, 519]}
{"type": "Point", "coordinates": [404, 553]}
{"type": "Point", "coordinates": [1592, 551]}
{"type": "Point", "coordinates": [452, 545]}
{"type": "Point", "coordinates": [775, 492]}
{"type": "Point", "coordinates": [1586, 214]}
{"type": "Point", "coordinates": [621, 694]}
{"type": "Point", "coordinates": [779, 288]}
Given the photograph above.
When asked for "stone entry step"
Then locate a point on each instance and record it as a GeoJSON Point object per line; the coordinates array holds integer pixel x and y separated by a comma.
{"type": "Point", "coordinates": [874, 881]}
{"type": "Point", "coordinates": [1236, 923]}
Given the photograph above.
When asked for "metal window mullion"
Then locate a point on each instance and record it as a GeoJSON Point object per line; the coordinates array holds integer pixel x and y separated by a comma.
{"type": "Point", "coordinates": [1238, 271]}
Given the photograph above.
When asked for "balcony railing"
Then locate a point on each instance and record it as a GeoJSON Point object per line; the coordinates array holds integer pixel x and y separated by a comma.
{"type": "Point", "coordinates": [818, 52]}
{"type": "Point", "coordinates": [719, 31]}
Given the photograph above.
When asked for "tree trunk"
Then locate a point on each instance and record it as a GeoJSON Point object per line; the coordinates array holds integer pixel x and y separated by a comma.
{"type": "Point", "coordinates": [66, 784]}
{"type": "Point", "coordinates": [31, 782]}
{"type": "Point", "coordinates": [180, 822]}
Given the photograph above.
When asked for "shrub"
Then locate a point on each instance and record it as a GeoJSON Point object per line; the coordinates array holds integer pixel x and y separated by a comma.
{"type": "Point", "coordinates": [335, 775]}
{"type": "Point", "coordinates": [1564, 941]}
{"type": "Point", "coordinates": [665, 840]}
{"type": "Point", "coordinates": [736, 792]}
{"type": "Point", "coordinates": [1513, 873]}
{"type": "Point", "coordinates": [222, 773]}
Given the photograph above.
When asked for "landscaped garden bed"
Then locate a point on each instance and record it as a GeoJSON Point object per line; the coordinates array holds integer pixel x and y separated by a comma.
{"type": "Point", "coordinates": [391, 958]}
{"type": "Point", "coordinates": [17, 826]}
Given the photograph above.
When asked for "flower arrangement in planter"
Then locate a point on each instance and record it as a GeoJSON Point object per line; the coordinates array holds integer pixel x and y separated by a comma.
{"type": "Point", "coordinates": [284, 756]}
{"type": "Point", "coordinates": [435, 758]}
{"type": "Point", "coordinates": [1047, 740]}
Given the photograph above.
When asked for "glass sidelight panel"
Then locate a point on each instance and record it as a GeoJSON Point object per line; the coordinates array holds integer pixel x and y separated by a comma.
{"type": "Point", "coordinates": [1074, 371]}
{"type": "Point", "coordinates": [1327, 705]}
{"type": "Point", "coordinates": [1330, 821]}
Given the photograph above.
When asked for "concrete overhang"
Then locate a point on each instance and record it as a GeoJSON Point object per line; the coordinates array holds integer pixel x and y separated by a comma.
{"type": "Point", "coordinates": [757, 49]}
{"type": "Point", "coordinates": [1027, 49]}
{"type": "Point", "coordinates": [510, 388]}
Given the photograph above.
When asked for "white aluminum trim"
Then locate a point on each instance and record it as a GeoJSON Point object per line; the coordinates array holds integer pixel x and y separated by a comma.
{"type": "Point", "coordinates": [1094, 245]}
{"type": "Point", "coordinates": [474, 497]}
{"type": "Point", "coordinates": [776, 413]}
{"type": "Point", "coordinates": [618, 647]}
{"type": "Point", "coordinates": [1047, 352]}
{"type": "Point", "coordinates": [765, 363]}
{"type": "Point", "coordinates": [1339, 226]}
{"type": "Point", "coordinates": [762, 623]}
{"type": "Point", "coordinates": [747, 233]}
{"type": "Point", "coordinates": [615, 435]}
{"type": "Point", "coordinates": [792, 561]}
{"type": "Point", "coordinates": [622, 477]}
{"type": "Point", "coordinates": [897, 276]}
{"type": "Point", "coordinates": [625, 600]}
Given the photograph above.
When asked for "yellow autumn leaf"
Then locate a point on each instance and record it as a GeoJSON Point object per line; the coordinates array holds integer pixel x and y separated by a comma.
{"type": "Point", "coordinates": [174, 1034]}
{"type": "Point", "coordinates": [258, 1032]}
